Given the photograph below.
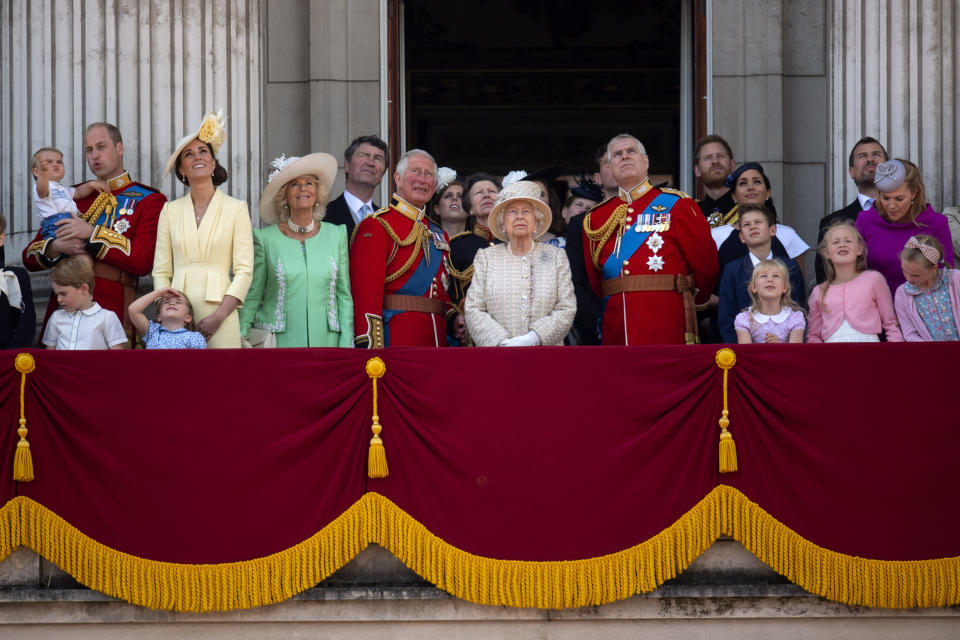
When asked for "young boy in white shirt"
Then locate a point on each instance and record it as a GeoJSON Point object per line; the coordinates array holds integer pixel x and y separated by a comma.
{"type": "Point", "coordinates": [80, 323]}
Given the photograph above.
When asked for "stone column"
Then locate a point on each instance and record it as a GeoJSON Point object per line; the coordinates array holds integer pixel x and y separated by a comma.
{"type": "Point", "coordinates": [896, 77]}
{"type": "Point", "coordinates": [151, 67]}
{"type": "Point", "coordinates": [323, 77]}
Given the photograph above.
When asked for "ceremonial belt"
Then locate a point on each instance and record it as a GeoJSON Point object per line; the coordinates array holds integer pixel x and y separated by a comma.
{"type": "Point", "coordinates": [397, 302]}
{"type": "Point", "coordinates": [127, 281]}
{"type": "Point", "coordinates": [682, 284]}
{"type": "Point", "coordinates": [109, 272]}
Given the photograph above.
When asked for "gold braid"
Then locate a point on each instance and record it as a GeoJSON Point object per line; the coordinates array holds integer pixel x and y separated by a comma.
{"type": "Point", "coordinates": [598, 237]}
{"type": "Point", "coordinates": [105, 200]}
{"type": "Point", "coordinates": [418, 237]}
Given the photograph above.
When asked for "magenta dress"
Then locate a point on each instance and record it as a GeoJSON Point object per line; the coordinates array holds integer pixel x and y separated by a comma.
{"type": "Point", "coordinates": [885, 240]}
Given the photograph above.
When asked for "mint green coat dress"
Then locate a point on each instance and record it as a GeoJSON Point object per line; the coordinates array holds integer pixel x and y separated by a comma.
{"type": "Point", "coordinates": [301, 291]}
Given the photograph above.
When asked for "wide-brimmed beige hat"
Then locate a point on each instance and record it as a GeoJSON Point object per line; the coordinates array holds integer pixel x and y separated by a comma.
{"type": "Point", "coordinates": [212, 130]}
{"type": "Point", "coordinates": [321, 165]}
{"type": "Point", "coordinates": [522, 190]}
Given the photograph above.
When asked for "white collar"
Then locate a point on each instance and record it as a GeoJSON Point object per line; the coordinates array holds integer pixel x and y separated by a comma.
{"type": "Point", "coordinates": [863, 200]}
{"type": "Point", "coordinates": [89, 311]}
{"type": "Point", "coordinates": [762, 318]}
{"type": "Point", "coordinates": [354, 202]}
{"type": "Point", "coordinates": [755, 260]}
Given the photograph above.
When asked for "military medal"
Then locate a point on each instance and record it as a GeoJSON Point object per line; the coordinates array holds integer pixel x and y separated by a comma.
{"type": "Point", "coordinates": [654, 242]}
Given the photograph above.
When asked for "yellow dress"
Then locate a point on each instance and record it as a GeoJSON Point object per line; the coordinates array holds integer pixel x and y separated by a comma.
{"type": "Point", "coordinates": [198, 260]}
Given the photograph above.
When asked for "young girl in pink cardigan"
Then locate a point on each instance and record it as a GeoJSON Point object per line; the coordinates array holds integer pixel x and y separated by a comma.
{"type": "Point", "coordinates": [854, 303]}
{"type": "Point", "coordinates": [928, 303]}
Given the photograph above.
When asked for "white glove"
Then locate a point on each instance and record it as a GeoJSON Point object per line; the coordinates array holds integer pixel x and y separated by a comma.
{"type": "Point", "coordinates": [529, 339]}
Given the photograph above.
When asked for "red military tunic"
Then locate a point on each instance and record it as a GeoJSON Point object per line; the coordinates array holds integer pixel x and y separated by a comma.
{"type": "Point", "coordinates": [387, 249]}
{"type": "Point", "coordinates": [686, 247]}
{"type": "Point", "coordinates": [123, 242]}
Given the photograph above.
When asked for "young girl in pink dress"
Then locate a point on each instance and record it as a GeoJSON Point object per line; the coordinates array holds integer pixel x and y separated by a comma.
{"type": "Point", "coordinates": [928, 303]}
{"type": "Point", "coordinates": [774, 316]}
{"type": "Point", "coordinates": [854, 303]}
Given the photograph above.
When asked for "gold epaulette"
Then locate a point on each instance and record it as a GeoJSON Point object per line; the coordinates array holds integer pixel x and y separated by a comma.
{"type": "Point", "coordinates": [379, 212]}
{"type": "Point", "coordinates": [462, 235]}
{"type": "Point", "coordinates": [598, 237]}
{"type": "Point", "coordinates": [675, 192]}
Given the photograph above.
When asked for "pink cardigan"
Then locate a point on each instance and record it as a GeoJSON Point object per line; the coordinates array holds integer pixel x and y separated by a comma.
{"type": "Point", "coordinates": [865, 302]}
{"type": "Point", "coordinates": [910, 321]}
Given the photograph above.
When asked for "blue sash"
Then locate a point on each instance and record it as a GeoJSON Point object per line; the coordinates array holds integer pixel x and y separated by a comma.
{"type": "Point", "coordinates": [630, 243]}
{"type": "Point", "coordinates": [418, 284]}
{"type": "Point", "coordinates": [632, 240]}
{"type": "Point", "coordinates": [128, 199]}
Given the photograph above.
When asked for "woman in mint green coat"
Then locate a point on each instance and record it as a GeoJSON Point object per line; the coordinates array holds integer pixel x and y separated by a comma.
{"type": "Point", "coordinates": [300, 295]}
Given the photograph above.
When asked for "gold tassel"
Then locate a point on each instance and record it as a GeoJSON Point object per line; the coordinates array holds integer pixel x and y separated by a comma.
{"type": "Point", "coordinates": [104, 200]}
{"type": "Point", "coordinates": [22, 458]}
{"type": "Point", "coordinates": [377, 455]}
{"type": "Point", "coordinates": [726, 358]}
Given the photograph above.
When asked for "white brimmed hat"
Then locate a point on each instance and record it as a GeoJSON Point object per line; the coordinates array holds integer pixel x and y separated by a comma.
{"type": "Point", "coordinates": [321, 165]}
{"type": "Point", "coordinates": [212, 130]}
{"type": "Point", "coordinates": [522, 190]}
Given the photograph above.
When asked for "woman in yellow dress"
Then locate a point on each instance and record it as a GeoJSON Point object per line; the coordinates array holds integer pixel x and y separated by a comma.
{"type": "Point", "coordinates": [205, 236]}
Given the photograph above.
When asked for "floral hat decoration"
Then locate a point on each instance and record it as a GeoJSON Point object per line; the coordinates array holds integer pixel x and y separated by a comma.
{"type": "Point", "coordinates": [212, 130]}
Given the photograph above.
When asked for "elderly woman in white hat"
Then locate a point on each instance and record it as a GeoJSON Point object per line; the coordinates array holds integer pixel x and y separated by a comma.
{"type": "Point", "coordinates": [204, 237]}
{"type": "Point", "coordinates": [522, 292]}
{"type": "Point", "coordinates": [300, 296]}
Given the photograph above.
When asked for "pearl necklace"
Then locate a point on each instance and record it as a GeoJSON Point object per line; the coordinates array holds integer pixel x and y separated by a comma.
{"type": "Point", "coordinates": [298, 229]}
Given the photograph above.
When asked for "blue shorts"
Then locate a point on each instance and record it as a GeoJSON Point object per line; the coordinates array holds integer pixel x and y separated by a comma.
{"type": "Point", "coordinates": [48, 226]}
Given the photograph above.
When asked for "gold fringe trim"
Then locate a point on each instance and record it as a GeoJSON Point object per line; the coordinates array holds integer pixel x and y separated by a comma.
{"type": "Point", "coordinates": [548, 585]}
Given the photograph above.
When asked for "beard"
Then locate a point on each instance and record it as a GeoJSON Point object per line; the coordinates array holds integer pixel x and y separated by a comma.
{"type": "Point", "coordinates": [711, 181]}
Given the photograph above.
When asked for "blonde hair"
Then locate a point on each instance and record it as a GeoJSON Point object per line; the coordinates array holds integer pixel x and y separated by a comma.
{"type": "Point", "coordinates": [914, 182]}
{"type": "Point", "coordinates": [35, 159]}
{"type": "Point", "coordinates": [771, 265]}
{"type": "Point", "coordinates": [829, 269]}
{"type": "Point", "coordinates": [74, 272]}
{"type": "Point", "coordinates": [319, 209]}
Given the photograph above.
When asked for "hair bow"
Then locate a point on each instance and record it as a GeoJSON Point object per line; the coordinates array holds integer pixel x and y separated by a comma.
{"type": "Point", "coordinates": [929, 252]}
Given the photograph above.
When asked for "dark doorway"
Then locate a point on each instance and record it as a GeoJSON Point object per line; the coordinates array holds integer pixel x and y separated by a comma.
{"type": "Point", "coordinates": [497, 85]}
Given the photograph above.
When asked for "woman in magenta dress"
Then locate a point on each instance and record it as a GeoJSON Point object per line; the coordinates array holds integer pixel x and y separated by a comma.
{"type": "Point", "coordinates": [900, 212]}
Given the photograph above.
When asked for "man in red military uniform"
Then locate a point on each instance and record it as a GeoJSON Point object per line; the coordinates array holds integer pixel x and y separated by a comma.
{"type": "Point", "coordinates": [397, 265]}
{"type": "Point", "coordinates": [118, 230]}
{"type": "Point", "coordinates": [649, 255]}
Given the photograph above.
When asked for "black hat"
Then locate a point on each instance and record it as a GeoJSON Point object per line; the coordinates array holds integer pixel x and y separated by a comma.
{"type": "Point", "coordinates": [587, 188]}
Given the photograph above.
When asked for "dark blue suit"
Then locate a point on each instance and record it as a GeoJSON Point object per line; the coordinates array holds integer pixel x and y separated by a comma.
{"type": "Point", "coordinates": [734, 296]}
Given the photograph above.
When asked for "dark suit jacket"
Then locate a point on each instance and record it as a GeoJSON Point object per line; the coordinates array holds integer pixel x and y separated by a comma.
{"type": "Point", "coordinates": [849, 212]}
{"type": "Point", "coordinates": [734, 296]}
{"type": "Point", "coordinates": [339, 213]}
{"type": "Point", "coordinates": [587, 321]}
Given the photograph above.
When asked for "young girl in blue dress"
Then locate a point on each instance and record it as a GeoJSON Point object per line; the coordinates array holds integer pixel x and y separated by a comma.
{"type": "Point", "coordinates": [928, 303]}
{"type": "Point", "coordinates": [174, 326]}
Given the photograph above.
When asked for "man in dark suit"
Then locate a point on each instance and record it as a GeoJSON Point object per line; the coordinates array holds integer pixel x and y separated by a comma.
{"type": "Point", "coordinates": [866, 154]}
{"type": "Point", "coordinates": [364, 163]}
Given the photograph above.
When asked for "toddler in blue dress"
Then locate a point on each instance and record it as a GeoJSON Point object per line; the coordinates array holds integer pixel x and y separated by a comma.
{"type": "Point", "coordinates": [174, 326]}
